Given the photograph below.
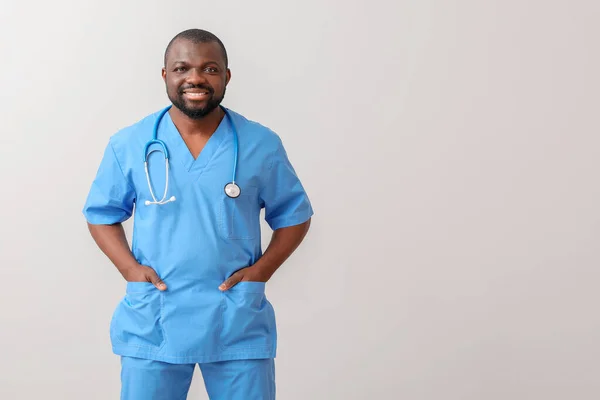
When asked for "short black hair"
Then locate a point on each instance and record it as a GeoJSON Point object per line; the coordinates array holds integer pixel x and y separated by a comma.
{"type": "Point", "coordinates": [197, 36]}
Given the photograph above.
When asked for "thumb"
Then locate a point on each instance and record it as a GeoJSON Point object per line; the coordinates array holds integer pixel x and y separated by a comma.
{"type": "Point", "coordinates": [231, 281]}
{"type": "Point", "coordinates": [156, 281]}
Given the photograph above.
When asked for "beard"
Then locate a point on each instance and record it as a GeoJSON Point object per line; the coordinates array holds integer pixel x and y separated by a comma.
{"type": "Point", "coordinates": [193, 109]}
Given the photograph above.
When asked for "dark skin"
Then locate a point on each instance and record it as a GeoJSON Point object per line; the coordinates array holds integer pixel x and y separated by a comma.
{"type": "Point", "coordinates": [196, 72]}
{"type": "Point", "coordinates": [193, 69]}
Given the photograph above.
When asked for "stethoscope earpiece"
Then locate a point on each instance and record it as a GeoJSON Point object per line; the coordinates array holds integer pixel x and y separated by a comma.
{"type": "Point", "coordinates": [148, 202]}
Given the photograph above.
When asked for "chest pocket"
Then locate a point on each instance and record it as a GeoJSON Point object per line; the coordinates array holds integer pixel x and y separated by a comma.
{"type": "Point", "coordinates": [239, 217]}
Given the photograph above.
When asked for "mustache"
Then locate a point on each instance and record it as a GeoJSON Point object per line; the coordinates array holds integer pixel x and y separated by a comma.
{"type": "Point", "coordinates": [209, 89]}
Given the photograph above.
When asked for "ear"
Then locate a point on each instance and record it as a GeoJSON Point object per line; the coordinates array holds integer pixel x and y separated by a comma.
{"type": "Point", "coordinates": [228, 76]}
{"type": "Point", "coordinates": [164, 74]}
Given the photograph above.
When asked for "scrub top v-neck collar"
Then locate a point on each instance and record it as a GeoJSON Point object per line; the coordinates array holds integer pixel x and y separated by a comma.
{"type": "Point", "coordinates": [179, 150]}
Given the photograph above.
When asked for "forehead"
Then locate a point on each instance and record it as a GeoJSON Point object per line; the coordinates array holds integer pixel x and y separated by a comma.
{"type": "Point", "coordinates": [193, 53]}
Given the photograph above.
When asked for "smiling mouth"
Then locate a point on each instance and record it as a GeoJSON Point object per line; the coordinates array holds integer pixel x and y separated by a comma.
{"type": "Point", "coordinates": [196, 95]}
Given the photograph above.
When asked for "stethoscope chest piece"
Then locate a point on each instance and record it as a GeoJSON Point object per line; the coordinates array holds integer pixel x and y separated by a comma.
{"type": "Point", "coordinates": [232, 190]}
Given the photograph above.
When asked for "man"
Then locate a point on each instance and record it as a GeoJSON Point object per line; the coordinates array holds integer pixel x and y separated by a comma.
{"type": "Point", "coordinates": [196, 273]}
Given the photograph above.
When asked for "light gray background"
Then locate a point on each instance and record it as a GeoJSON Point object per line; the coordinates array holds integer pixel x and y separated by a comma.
{"type": "Point", "coordinates": [450, 149]}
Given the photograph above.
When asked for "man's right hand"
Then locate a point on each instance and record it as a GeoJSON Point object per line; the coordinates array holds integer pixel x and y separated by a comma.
{"type": "Point", "coordinates": [143, 273]}
{"type": "Point", "coordinates": [112, 241]}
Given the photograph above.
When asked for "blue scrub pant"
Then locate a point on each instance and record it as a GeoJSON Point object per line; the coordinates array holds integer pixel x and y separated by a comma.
{"type": "Point", "coordinates": [225, 380]}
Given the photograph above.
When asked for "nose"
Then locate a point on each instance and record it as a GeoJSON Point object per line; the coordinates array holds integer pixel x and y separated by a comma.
{"type": "Point", "coordinates": [195, 76]}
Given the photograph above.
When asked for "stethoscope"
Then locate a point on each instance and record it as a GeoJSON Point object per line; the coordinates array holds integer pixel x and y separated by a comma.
{"type": "Point", "coordinates": [232, 190]}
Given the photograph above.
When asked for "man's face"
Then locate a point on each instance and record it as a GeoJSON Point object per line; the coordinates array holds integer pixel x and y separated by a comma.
{"type": "Point", "coordinates": [196, 77]}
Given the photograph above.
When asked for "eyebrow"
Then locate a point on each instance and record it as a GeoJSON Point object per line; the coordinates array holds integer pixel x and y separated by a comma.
{"type": "Point", "coordinates": [186, 62]}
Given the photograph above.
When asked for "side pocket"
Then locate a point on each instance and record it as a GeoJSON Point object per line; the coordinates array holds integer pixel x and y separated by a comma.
{"type": "Point", "coordinates": [240, 217]}
{"type": "Point", "coordinates": [137, 321]}
{"type": "Point", "coordinates": [248, 319]}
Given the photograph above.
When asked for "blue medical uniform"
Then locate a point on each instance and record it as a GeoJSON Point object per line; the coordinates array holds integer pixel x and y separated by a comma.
{"type": "Point", "coordinates": [197, 241]}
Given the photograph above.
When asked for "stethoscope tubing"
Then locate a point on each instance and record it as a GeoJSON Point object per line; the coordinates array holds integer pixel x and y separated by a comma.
{"type": "Point", "coordinates": [231, 189]}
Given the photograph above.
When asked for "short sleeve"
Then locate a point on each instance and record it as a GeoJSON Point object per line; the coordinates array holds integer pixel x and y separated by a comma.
{"type": "Point", "coordinates": [111, 198]}
{"type": "Point", "coordinates": [283, 196]}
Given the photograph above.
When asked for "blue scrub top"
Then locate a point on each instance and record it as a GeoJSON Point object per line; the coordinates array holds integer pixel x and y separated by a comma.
{"type": "Point", "coordinates": [197, 241]}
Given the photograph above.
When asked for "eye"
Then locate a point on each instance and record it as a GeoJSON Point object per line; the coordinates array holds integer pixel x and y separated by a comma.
{"type": "Point", "coordinates": [179, 69]}
{"type": "Point", "coordinates": [211, 70]}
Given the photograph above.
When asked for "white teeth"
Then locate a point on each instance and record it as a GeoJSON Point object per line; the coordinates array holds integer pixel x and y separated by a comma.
{"type": "Point", "coordinates": [196, 94]}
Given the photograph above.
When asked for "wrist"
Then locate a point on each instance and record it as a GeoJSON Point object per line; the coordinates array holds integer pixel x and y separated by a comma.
{"type": "Point", "coordinates": [264, 270]}
{"type": "Point", "coordinates": [129, 267]}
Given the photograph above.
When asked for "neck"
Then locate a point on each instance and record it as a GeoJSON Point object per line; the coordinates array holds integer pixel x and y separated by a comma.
{"type": "Point", "coordinates": [204, 126]}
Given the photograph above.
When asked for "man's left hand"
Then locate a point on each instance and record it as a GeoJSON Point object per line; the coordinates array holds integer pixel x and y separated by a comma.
{"type": "Point", "coordinates": [245, 274]}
